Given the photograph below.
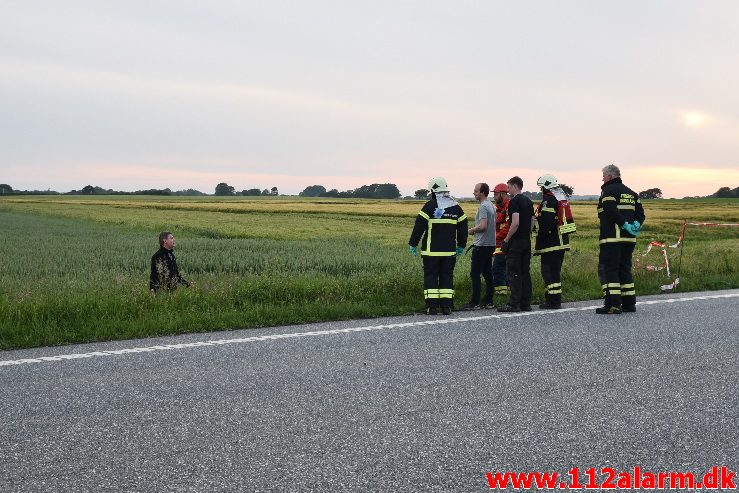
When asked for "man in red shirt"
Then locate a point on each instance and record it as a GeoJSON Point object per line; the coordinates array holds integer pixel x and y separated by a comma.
{"type": "Point", "coordinates": [501, 230]}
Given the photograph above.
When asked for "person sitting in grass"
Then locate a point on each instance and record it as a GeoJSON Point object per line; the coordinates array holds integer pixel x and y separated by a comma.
{"type": "Point", "coordinates": [164, 272]}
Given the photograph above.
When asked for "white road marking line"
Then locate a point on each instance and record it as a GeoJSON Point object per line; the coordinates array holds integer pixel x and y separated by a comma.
{"type": "Point", "coordinates": [273, 337]}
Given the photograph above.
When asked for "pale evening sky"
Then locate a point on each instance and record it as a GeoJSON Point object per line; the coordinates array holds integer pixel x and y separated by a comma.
{"type": "Point", "coordinates": [184, 94]}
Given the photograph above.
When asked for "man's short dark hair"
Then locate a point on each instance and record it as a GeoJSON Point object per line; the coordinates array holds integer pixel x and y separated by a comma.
{"type": "Point", "coordinates": [163, 236]}
{"type": "Point", "coordinates": [484, 189]}
{"type": "Point", "coordinates": [516, 181]}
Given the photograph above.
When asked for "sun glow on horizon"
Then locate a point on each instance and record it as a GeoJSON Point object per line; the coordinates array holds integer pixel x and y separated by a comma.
{"type": "Point", "coordinates": [693, 119]}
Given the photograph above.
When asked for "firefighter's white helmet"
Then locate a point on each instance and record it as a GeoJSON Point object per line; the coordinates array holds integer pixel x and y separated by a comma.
{"type": "Point", "coordinates": [438, 184]}
{"type": "Point", "coordinates": [547, 181]}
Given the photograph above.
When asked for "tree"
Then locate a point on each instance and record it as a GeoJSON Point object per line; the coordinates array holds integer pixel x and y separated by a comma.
{"type": "Point", "coordinates": [153, 191]}
{"type": "Point", "coordinates": [331, 193]}
{"type": "Point", "coordinates": [421, 193]}
{"type": "Point", "coordinates": [273, 191]}
{"type": "Point", "coordinates": [377, 191]}
{"type": "Point", "coordinates": [652, 193]}
{"type": "Point", "coordinates": [252, 192]}
{"type": "Point", "coordinates": [313, 191]}
{"type": "Point", "coordinates": [567, 189]}
{"type": "Point", "coordinates": [224, 189]}
{"type": "Point", "coordinates": [5, 189]}
{"type": "Point", "coordinates": [534, 196]}
{"type": "Point", "coordinates": [726, 193]}
{"type": "Point", "coordinates": [88, 190]}
{"type": "Point", "coordinates": [265, 192]}
{"type": "Point", "coordinates": [189, 191]}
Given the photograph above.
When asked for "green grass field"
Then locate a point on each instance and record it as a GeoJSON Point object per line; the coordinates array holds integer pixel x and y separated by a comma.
{"type": "Point", "coordinates": [75, 269]}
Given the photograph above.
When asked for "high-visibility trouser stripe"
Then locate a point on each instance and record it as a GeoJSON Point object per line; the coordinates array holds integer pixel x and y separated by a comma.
{"type": "Point", "coordinates": [548, 209]}
{"type": "Point", "coordinates": [502, 289]}
{"type": "Point", "coordinates": [553, 249]}
{"type": "Point", "coordinates": [432, 293]}
{"type": "Point", "coordinates": [554, 288]}
{"type": "Point", "coordinates": [611, 288]}
{"type": "Point", "coordinates": [446, 293]}
{"type": "Point", "coordinates": [617, 240]}
{"type": "Point", "coordinates": [498, 251]}
{"type": "Point", "coordinates": [628, 289]}
{"type": "Point", "coordinates": [437, 254]}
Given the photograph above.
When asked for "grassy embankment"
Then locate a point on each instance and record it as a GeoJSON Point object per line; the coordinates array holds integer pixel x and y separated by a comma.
{"type": "Point", "coordinates": [76, 269]}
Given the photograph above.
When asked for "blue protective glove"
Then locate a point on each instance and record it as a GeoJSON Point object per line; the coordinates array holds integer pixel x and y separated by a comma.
{"type": "Point", "coordinates": [459, 251]}
{"type": "Point", "coordinates": [631, 229]}
{"type": "Point", "coordinates": [636, 225]}
{"type": "Point", "coordinates": [413, 250]}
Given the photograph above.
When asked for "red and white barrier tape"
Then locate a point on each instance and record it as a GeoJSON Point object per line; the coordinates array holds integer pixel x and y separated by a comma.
{"type": "Point", "coordinates": [680, 241]}
{"type": "Point", "coordinates": [686, 224]}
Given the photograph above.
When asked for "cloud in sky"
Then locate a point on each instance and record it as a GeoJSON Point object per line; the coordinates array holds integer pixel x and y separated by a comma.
{"type": "Point", "coordinates": [289, 94]}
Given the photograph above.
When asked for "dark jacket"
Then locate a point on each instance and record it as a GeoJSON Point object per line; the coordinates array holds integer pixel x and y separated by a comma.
{"type": "Point", "coordinates": [443, 230]}
{"type": "Point", "coordinates": [548, 238]}
{"type": "Point", "coordinates": [164, 272]}
{"type": "Point", "coordinates": [618, 204]}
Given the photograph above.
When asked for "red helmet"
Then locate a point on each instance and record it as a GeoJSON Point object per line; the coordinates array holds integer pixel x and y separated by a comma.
{"type": "Point", "coordinates": [500, 187]}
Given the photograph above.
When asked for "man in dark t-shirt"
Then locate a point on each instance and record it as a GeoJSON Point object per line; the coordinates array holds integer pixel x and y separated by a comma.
{"type": "Point", "coordinates": [517, 247]}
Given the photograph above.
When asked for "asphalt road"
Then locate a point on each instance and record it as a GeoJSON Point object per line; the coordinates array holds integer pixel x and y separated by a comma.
{"type": "Point", "coordinates": [400, 404]}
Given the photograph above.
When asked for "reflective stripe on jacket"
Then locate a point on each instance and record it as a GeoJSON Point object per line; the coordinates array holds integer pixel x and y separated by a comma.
{"type": "Point", "coordinates": [549, 238]}
{"type": "Point", "coordinates": [440, 231]}
{"type": "Point", "coordinates": [618, 204]}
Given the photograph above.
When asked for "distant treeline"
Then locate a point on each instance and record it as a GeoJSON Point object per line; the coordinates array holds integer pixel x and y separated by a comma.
{"type": "Point", "coordinates": [374, 191]}
{"type": "Point", "coordinates": [91, 190]}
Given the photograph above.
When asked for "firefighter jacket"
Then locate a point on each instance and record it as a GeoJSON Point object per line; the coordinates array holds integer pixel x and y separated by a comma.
{"type": "Point", "coordinates": [618, 204]}
{"type": "Point", "coordinates": [164, 272]}
{"type": "Point", "coordinates": [501, 224]}
{"type": "Point", "coordinates": [549, 238]}
{"type": "Point", "coordinates": [440, 231]}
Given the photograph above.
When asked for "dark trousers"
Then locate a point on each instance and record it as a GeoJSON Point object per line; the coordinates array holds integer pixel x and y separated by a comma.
{"type": "Point", "coordinates": [499, 277]}
{"type": "Point", "coordinates": [551, 269]}
{"type": "Point", "coordinates": [482, 265]}
{"type": "Point", "coordinates": [438, 280]}
{"type": "Point", "coordinates": [518, 270]}
{"type": "Point", "coordinates": [614, 272]}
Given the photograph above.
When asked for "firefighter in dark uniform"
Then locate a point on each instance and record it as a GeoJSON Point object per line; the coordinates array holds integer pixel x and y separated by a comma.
{"type": "Point", "coordinates": [621, 216]}
{"type": "Point", "coordinates": [441, 227]}
{"type": "Point", "coordinates": [551, 243]}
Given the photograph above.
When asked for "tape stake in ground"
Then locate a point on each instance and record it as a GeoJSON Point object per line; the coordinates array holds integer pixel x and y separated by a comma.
{"type": "Point", "coordinates": [679, 244]}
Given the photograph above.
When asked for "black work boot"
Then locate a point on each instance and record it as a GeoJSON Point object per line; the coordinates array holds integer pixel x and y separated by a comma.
{"type": "Point", "coordinates": [608, 310]}
{"type": "Point", "coordinates": [550, 306]}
